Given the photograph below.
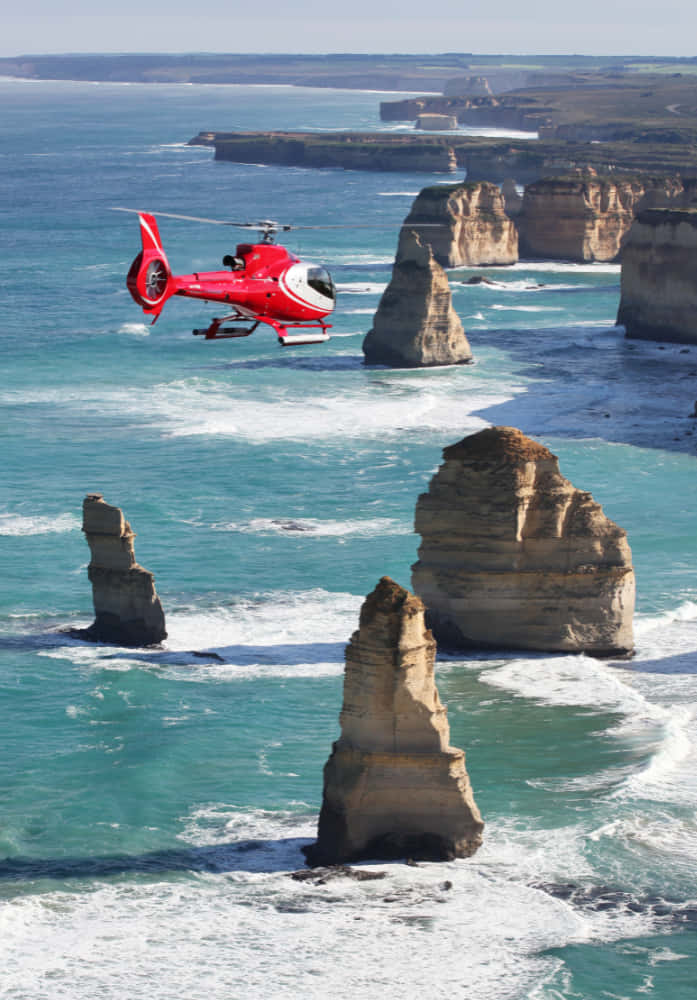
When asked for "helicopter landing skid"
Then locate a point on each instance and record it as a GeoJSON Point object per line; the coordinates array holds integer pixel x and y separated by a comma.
{"type": "Point", "coordinates": [312, 333]}
{"type": "Point", "coordinates": [216, 331]}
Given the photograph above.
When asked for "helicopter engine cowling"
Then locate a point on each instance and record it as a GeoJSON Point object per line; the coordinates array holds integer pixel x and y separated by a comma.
{"type": "Point", "coordinates": [150, 280]}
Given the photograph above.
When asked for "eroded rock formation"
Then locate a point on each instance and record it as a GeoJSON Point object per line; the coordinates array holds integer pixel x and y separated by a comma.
{"type": "Point", "coordinates": [583, 218]}
{"type": "Point", "coordinates": [393, 786]}
{"type": "Point", "coordinates": [128, 611]}
{"type": "Point", "coordinates": [436, 122]}
{"type": "Point", "coordinates": [415, 324]}
{"type": "Point", "coordinates": [514, 556]}
{"type": "Point", "coordinates": [467, 86]}
{"type": "Point", "coordinates": [466, 224]}
{"type": "Point", "coordinates": [659, 278]}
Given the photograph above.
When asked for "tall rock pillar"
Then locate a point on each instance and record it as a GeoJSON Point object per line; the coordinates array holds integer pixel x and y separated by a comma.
{"type": "Point", "coordinates": [393, 786]}
{"type": "Point", "coordinates": [128, 611]}
{"type": "Point", "coordinates": [415, 324]}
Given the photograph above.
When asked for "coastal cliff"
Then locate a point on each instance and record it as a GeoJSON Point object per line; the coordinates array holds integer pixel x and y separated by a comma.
{"type": "Point", "coordinates": [393, 785]}
{"type": "Point", "coordinates": [659, 281]}
{"type": "Point", "coordinates": [351, 151]}
{"type": "Point", "coordinates": [482, 110]}
{"type": "Point", "coordinates": [514, 556]}
{"type": "Point", "coordinates": [483, 159]}
{"type": "Point", "coordinates": [127, 608]}
{"type": "Point", "coordinates": [465, 224]}
{"type": "Point", "coordinates": [583, 218]}
{"type": "Point", "coordinates": [415, 324]}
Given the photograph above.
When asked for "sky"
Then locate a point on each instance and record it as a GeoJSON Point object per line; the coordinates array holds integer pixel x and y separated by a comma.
{"type": "Point", "coordinates": [592, 27]}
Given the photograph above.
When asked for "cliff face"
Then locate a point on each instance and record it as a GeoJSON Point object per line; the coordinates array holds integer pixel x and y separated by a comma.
{"type": "Point", "coordinates": [465, 224]}
{"type": "Point", "coordinates": [128, 611]}
{"type": "Point", "coordinates": [415, 325]}
{"type": "Point", "coordinates": [354, 151]}
{"type": "Point", "coordinates": [659, 278]}
{"type": "Point", "coordinates": [467, 86]}
{"type": "Point", "coordinates": [514, 556]}
{"type": "Point", "coordinates": [582, 219]}
{"type": "Point", "coordinates": [481, 109]}
{"type": "Point", "coordinates": [393, 786]}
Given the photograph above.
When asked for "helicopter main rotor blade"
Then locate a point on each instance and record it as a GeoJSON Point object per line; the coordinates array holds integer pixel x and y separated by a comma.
{"type": "Point", "coordinates": [197, 218]}
{"type": "Point", "coordinates": [373, 225]}
{"type": "Point", "coordinates": [271, 226]}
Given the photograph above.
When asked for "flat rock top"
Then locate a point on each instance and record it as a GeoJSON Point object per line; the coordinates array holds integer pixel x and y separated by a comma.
{"type": "Point", "coordinates": [498, 444]}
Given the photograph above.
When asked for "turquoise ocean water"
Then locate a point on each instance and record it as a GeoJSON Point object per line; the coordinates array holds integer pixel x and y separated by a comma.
{"type": "Point", "coordinates": [152, 802]}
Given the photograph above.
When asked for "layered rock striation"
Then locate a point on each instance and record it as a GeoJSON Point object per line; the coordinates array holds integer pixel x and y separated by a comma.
{"type": "Point", "coordinates": [583, 218]}
{"type": "Point", "coordinates": [514, 556]}
{"type": "Point", "coordinates": [393, 786]}
{"type": "Point", "coordinates": [465, 224]}
{"type": "Point", "coordinates": [659, 279]}
{"type": "Point", "coordinates": [415, 324]}
{"type": "Point", "coordinates": [127, 608]}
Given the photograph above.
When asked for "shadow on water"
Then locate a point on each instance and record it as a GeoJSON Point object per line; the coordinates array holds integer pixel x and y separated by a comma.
{"type": "Point", "coordinates": [679, 663]}
{"type": "Point", "coordinates": [327, 363]}
{"type": "Point", "coordinates": [242, 855]}
{"type": "Point", "coordinates": [290, 654]}
{"type": "Point", "coordinates": [281, 654]}
{"type": "Point", "coordinates": [592, 382]}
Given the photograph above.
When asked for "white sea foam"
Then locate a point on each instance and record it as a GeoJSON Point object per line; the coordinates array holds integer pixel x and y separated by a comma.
{"type": "Point", "coordinates": [648, 834]}
{"type": "Point", "coordinates": [200, 407]}
{"type": "Point", "coordinates": [440, 400]}
{"type": "Point", "coordinates": [274, 635]}
{"type": "Point", "coordinates": [295, 939]}
{"type": "Point", "coordinates": [530, 309]}
{"type": "Point", "coordinates": [23, 524]}
{"type": "Point", "coordinates": [569, 680]}
{"type": "Point", "coordinates": [398, 194]}
{"type": "Point", "coordinates": [361, 288]}
{"type": "Point", "coordinates": [522, 285]}
{"type": "Point", "coordinates": [656, 693]}
{"type": "Point", "coordinates": [134, 329]}
{"type": "Point", "coordinates": [310, 526]}
{"type": "Point", "coordinates": [559, 267]}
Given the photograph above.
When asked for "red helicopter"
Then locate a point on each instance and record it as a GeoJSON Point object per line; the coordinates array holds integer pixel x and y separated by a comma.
{"type": "Point", "coordinates": [264, 283]}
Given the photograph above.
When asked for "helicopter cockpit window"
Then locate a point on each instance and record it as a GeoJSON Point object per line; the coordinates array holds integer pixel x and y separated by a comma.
{"type": "Point", "coordinates": [321, 280]}
{"type": "Point", "coordinates": [234, 263]}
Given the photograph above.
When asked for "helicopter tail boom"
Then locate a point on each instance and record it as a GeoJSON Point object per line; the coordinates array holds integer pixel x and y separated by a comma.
{"type": "Point", "coordinates": [150, 280]}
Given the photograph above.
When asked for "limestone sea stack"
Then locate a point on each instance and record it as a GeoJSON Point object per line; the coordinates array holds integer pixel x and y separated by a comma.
{"type": "Point", "coordinates": [128, 611]}
{"type": "Point", "coordinates": [659, 278]}
{"type": "Point", "coordinates": [465, 224]}
{"type": "Point", "coordinates": [514, 556]}
{"type": "Point", "coordinates": [583, 218]}
{"type": "Point", "coordinates": [393, 786]}
{"type": "Point", "coordinates": [415, 325]}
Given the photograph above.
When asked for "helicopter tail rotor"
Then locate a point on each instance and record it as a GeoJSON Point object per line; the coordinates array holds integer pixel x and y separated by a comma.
{"type": "Point", "coordinates": [150, 279]}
